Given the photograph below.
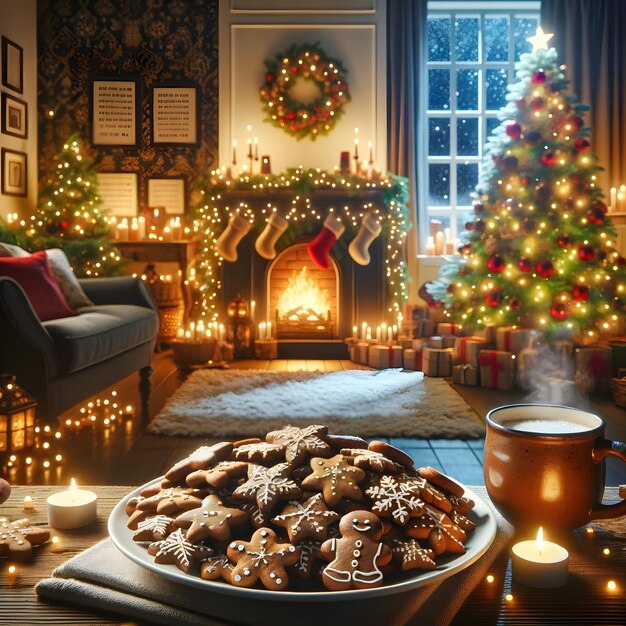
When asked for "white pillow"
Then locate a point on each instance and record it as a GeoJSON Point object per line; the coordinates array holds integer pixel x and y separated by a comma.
{"type": "Point", "coordinates": [61, 270]}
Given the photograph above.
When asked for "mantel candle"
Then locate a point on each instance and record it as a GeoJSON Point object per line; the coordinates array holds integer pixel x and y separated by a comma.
{"type": "Point", "coordinates": [73, 508]}
{"type": "Point", "coordinates": [540, 564]}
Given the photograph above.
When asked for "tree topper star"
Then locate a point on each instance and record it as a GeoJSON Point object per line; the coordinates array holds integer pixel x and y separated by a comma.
{"type": "Point", "coordinates": [540, 39]}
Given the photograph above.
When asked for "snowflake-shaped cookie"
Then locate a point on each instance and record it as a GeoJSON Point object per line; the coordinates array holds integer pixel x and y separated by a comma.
{"type": "Point", "coordinates": [262, 558]}
{"type": "Point", "coordinates": [261, 452]}
{"type": "Point", "coordinates": [442, 533]}
{"type": "Point", "coordinates": [336, 478]}
{"type": "Point", "coordinates": [268, 485]}
{"type": "Point", "coordinates": [154, 528]}
{"type": "Point", "coordinates": [212, 520]}
{"type": "Point", "coordinates": [215, 567]}
{"type": "Point", "coordinates": [368, 459]}
{"type": "Point", "coordinates": [177, 550]}
{"type": "Point", "coordinates": [306, 519]}
{"type": "Point", "coordinates": [18, 538]}
{"type": "Point", "coordinates": [395, 497]}
{"type": "Point", "coordinates": [408, 554]}
{"type": "Point", "coordinates": [300, 442]}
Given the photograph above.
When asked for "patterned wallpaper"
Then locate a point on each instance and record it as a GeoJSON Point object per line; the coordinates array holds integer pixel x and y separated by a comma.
{"type": "Point", "coordinates": [161, 41]}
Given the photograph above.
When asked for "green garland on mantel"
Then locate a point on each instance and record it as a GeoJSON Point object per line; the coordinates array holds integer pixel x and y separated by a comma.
{"type": "Point", "coordinates": [219, 200]}
{"type": "Point", "coordinates": [307, 62]}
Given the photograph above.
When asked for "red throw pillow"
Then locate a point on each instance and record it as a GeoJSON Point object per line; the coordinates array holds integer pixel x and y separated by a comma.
{"type": "Point", "coordinates": [35, 278]}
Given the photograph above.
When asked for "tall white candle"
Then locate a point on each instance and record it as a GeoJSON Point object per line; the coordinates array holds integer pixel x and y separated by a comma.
{"type": "Point", "coordinates": [262, 330]}
{"type": "Point", "coordinates": [389, 334]}
{"type": "Point", "coordinates": [430, 246]}
{"type": "Point", "coordinates": [73, 508]}
{"type": "Point", "coordinates": [613, 199]}
{"type": "Point", "coordinates": [364, 330]}
{"type": "Point", "coordinates": [269, 330]}
{"type": "Point", "coordinates": [378, 334]}
{"type": "Point", "coordinates": [252, 309]}
{"type": "Point", "coordinates": [355, 331]}
{"type": "Point", "coordinates": [141, 225]}
{"type": "Point", "coordinates": [438, 242]}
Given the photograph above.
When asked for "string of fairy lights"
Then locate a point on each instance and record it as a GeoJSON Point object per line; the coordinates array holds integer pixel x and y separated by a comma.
{"type": "Point", "coordinates": [219, 203]}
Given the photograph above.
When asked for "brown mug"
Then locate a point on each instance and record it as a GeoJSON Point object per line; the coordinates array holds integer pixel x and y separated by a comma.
{"type": "Point", "coordinates": [544, 465]}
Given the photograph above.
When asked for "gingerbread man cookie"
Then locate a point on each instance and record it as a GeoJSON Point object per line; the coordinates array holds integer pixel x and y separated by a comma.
{"type": "Point", "coordinates": [262, 558]}
{"type": "Point", "coordinates": [18, 538]}
{"type": "Point", "coordinates": [336, 478]}
{"type": "Point", "coordinates": [358, 553]}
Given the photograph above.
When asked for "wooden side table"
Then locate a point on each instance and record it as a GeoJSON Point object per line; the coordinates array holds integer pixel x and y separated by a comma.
{"type": "Point", "coordinates": [182, 252]}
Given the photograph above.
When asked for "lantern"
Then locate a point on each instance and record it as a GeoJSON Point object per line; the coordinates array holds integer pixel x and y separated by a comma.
{"type": "Point", "coordinates": [17, 417]}
{"type": "Point", "coordinates": [239, 327]}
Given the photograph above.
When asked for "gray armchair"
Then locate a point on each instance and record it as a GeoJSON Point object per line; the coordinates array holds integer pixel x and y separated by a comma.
{"type": "Point", "coordinates": [62, 362]}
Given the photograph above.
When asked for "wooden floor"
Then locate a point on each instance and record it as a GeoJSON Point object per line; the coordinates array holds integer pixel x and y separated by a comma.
{"type": "Point", "coordinates": [122, 453]}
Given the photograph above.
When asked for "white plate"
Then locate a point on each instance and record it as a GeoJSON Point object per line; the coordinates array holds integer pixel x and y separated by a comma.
{"type": "Point", "coordinates": [476, 545]}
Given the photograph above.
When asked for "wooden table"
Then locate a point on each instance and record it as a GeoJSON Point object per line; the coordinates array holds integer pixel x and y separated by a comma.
{"type": "Point", "coordinates": [182, 252]}
{"type": "Point", "coordinates": [584, 600]}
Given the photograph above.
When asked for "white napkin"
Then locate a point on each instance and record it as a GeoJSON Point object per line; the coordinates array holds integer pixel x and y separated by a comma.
{"type": "Point", "coordinates": [103, 578]}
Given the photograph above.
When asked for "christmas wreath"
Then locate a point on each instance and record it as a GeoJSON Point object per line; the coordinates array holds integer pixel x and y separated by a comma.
{"type": "Point", "coordinates": [304, 91]}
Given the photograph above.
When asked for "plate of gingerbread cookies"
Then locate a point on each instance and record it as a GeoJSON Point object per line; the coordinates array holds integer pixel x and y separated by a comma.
{"type": "Point", "coordinates": [302, 515]}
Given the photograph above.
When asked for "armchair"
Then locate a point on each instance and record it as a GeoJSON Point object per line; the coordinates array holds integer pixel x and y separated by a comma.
{"type": "Point", "coordinates": [64, 361]}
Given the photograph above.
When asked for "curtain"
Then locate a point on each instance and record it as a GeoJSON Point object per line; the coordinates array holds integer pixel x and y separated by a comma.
{"type": "Point", "coordinates": [589, 36]}
{"type": "Point", "coordinates": [406, 100]}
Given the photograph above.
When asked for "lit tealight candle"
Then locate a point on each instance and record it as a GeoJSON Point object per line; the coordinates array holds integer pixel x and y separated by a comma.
{"type": "Point", "coordinates": [29, 505]}
{"type": "Point", "coordinates": [73, 508]}
{"type": "Point", "coordinates": [541, 564]}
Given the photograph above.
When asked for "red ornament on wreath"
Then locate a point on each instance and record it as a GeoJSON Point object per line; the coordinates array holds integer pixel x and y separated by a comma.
{"type": "Point", "coordinates": [586, 253]}
{"type": "Point", "coordinates": [580, 292]}
{"type": "Point", "coordinates": [544, 268]}
{"type": "Point", "coordinates": [495, 263]}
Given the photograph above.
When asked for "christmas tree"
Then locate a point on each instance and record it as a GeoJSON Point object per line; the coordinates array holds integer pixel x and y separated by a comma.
{"type": "Point", "coordinates": [540, 249]}
{"type": "Point", "coordinates": [69, 216]}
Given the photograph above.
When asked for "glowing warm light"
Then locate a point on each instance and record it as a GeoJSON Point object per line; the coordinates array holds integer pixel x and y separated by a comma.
{"type": "Point", "coordinates": [509, 597]}
{"type": "Point", "coordinates": [490, 578]}
{"type": "Point", "coordinates": [302, 299]}
{"type": "Point", "coordinates": [611, 585]}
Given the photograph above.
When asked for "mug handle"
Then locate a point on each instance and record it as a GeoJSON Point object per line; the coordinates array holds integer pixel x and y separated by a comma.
{"type": "Point", "coordinates": [602, 450]}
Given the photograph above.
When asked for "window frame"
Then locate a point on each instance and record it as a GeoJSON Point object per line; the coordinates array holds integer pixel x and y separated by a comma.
{"type": "Point", "coordinates": [511, 9]}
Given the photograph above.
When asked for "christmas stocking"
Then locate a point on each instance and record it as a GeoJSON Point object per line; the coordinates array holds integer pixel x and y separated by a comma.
{"type": "Point", "coordinates": [319, 248]}
{"type": "Point", "coordinates": [359, 247]}
{"type": "Point", "coordinates": [229, 240]}
{"type": "Point", "coordinates": [266, 241]}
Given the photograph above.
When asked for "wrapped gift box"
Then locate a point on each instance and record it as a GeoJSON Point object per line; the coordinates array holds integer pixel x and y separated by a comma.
{"type": "Point", "coordinates": [448, 328]}
{"type": "Point", "coordinates": [612, 328]}
{"type": "Point", "coordinates": [503, 338]}
{"type": "Point", "coordinates": [405, 342]}
{"type": "Point", "coordinates": [528, 362]}
{"type": "Point", "coordinates": [437, 361]}
{"type": "Point", "coordinates": [487, 332]}
{"type": "Point", "coordinates": [382, 357]}
{"type": "Point", "coordinates": [466, 350]}
{"type": "Point", "coordinates": [593, 369]}
{"type": "Point", "coordinates": [441, 341]}
{"type": "Point", "coordinates": [465, 374]}
{"type": "Point", "coordinates": [426, 328]}
{"type": "Point", "coordinates": [418, 344]}
{"type": "Point", "coordinates": [412, 359]}
{"type": "Point", "coordinates": [497, 369]}
{"type": "Point", "coordinates": [512, 339]}
{"type": "Point", "coordinates": [361, 353]}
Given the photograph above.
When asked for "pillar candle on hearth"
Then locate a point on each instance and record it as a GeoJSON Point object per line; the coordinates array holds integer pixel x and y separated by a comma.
{"type": "Point", "coordinates": [439, 242]}
{"type": "Point", "coordinates": [122, 230]}
{"type": "Point", "coordinates": [364, 330]}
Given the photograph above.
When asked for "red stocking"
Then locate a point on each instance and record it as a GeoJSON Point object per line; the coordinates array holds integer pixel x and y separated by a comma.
{"type": "Point", "coordinates": [319, 248]}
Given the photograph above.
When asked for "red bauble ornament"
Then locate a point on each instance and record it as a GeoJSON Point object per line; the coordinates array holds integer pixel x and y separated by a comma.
{"type": "Point", "coordinates": [544, 268]}
{"type": "Point", "coordinates": [564, 241]}
{"type": "Point", "coordinates": [63, 225]}
{"type": "Point", "coordinates": [580, 292]}
{"type": "Point", "coordinates": [269, 77]}
{"type": "Point", "coordinates": [548, 159]}
{"type": "Point", "coordinates": [598, 204]}
{"type": "Point", "coordinates": [469, 225]}
{"type": "Point", "coordinates": [514, 130]}
{"type": "Point", "coordinates": [559, 311]}
{"type": "Point", "coordinates": [515, 304]}
{"type": "Point", "coordinates": [524, 264]}
{"type": "Point", "coordinates": [577, 122]}
{"type": "Point", "coordinates": [494, 298]}
{"type": "Point", "coordinates": [495, 263]}
{"type": "Point", "coordinates": [291, 115]}
{"type": "Point", "coordinates": [539, 77]}
{"type": "Point", "coordinates": [479, 208]}
{"type": "Point", "coordinates": [595, 216]}
{"type": "Point", "coordinates": [536, 104]}
{"type": "Point", "coordinates": [582, 145]}
{"type": "Point", "coordinates": [586, 253]}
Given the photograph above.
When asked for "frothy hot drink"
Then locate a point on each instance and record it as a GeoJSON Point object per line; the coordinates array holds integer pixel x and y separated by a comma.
{"type": "Point", "coordinates": [547, 427]}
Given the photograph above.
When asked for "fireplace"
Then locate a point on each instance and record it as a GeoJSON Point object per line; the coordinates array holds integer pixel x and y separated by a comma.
{"type": "Point", "coordinates": [303, 301]}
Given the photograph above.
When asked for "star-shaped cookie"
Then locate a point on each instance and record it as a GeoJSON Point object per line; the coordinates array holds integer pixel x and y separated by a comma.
{"type": "Point", "coordinates": [307, 519]}
{"type": "Point", "coordinates": [408, 554]}
{"type": "Point", "coordinates": [212, 520]}
{"type": "Point", "coordinates": [268, 485]}
{"type": "Point", "coordinates": [177, 550]}
{"type": "Point", "coordinates": [172, 500]}
{"type": "Point", "coordinates": [18, 538]}
{"type": "Point", "coordinates": [217, 476]}
{"type": "Point", "coordinates": [442, 533]}
{"type": "Point", "coordinates": [301, 442]}
{"type": "Point", "coordinates": [336, 479]}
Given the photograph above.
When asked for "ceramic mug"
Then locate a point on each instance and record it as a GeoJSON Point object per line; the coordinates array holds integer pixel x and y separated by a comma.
{"type": "Point", "coordinates": [544, 465]}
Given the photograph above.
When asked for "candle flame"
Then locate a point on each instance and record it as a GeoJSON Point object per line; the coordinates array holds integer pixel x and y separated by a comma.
{"type": "Point", "coordinates": [73, 484]}
{"type": "Point", "coordinates": [540, 539]}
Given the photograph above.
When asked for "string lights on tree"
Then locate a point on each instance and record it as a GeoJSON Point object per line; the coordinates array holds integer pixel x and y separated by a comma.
{"type": "Point", "coordinates": [540, 250]}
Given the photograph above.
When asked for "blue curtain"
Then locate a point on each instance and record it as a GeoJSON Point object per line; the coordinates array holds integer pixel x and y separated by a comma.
{"type": "Point", "coordinates": [406, 95]}
{"type": "Point", "coordinates": [589, 36]}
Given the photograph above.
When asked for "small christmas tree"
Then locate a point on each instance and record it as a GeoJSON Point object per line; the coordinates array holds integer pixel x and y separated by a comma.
{"type": "Point", "coordinates": [540, 250]}
{"type": "Point", "coordinates": [69, 216]}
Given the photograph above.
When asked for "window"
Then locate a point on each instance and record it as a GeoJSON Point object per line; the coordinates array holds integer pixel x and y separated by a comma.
{"type": "Point", "coordinates": [471, 57]}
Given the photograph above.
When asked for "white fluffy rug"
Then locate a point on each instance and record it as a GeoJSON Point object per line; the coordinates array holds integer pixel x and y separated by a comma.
{"type": "Point", "coordinates": [356, 402]}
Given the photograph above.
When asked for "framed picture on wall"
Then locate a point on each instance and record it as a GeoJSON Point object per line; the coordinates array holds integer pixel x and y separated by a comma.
{"type": "Point", "coordinates": [115, 112]}
{"type": "Point", "coordinates": [14, 116]}
{"type": "Point", "coordinates": [13, 172]}
{"type": "Point", "coordinates": [12, 65]}
{"type": "Point", "coordinates": [168, 193]}
{"type": "Point", "coordinates": [175, 115]}
{"type": "Point", "coordinates": [119, 193]}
